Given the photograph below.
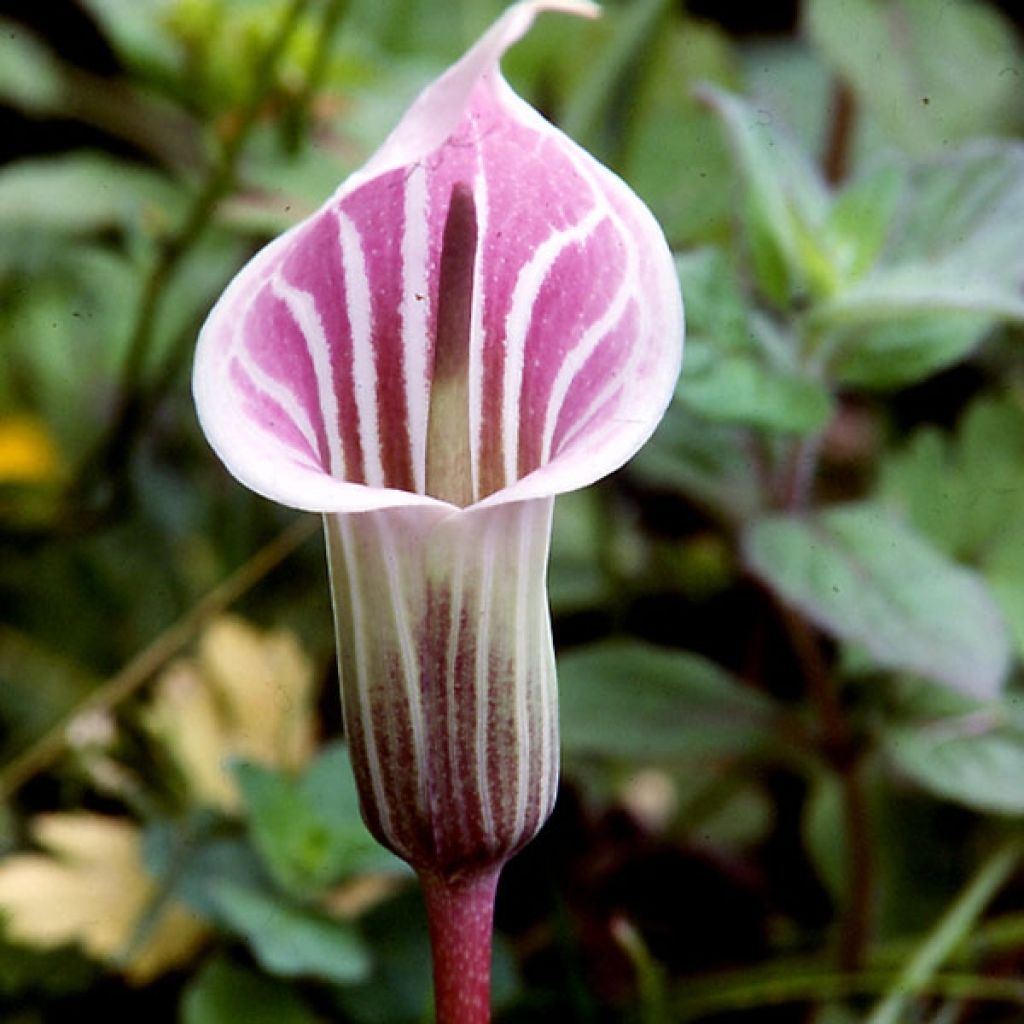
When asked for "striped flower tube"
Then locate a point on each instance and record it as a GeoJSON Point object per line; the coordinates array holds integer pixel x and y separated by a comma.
{"type": "Point", "coordinates": [480, 318]}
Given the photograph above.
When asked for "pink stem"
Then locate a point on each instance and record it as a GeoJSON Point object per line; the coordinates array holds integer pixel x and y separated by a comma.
{"type": "Point", "coordinates": [461, 914]}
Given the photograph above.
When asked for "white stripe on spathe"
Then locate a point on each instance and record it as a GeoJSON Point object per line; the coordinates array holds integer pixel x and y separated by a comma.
{"type": "Point", "coordinates": [364, 366]}
{"type": "Point", "coordinates": [302, 307]}
{"type": "Point", "coordinates": [349, 552]}
{"type": "Point", "coordinates": [517, 324]}
{"type": "Point", "coordinates": [415, 315]}
{"type": "Point", "coordinates": [482, 671]}
{"type": "Point", "coordinates": [481, 199]}
{"type": "Point", "coordinates": [451, 650]}
{"type": "Point", "coordinates": [282, 395]}
{"type": "Point", "coordinates": [522, 658]}
{"type": "Point", "coordinates": [399, 600]}
{"type": "Point", "coordinates": [541, 669]}
{"type": "Point", "coordinates": [576, 358]}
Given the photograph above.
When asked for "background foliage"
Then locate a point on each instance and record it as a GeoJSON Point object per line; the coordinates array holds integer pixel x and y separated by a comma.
{"type": "Point", "coordinates": [791, 632]}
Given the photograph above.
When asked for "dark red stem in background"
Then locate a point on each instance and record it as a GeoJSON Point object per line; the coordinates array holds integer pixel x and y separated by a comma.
{"type": "Point", "coordinates": [461, 916]}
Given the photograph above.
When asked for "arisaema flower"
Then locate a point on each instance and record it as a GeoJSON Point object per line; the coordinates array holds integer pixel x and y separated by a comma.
{"type": "Point", "coordinates": [480, 318]}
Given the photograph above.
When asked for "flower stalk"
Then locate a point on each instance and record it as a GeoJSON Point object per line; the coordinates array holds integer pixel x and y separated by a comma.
{"type": "Point", "coordinates": [460, 913]}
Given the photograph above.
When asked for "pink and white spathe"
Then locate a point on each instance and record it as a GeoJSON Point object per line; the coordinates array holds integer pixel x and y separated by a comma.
{"type": "Point", "coordinates": [321, 383]}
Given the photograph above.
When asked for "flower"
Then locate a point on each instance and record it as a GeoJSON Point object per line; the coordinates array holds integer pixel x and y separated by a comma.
{"type": "Point", "coordinates": [247, 695]}
{"type": "Point", "coordinates": [480, 318]}
{"type": "Point", "coordinates": [28, 453]}
{"type": "Point", "coordinates": [92, 889]}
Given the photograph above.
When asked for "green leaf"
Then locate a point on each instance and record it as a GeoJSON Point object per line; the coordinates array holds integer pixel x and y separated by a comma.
{"type": "Point", "coordinates": [577, 579]}
{"type": "Point", "coordinates": [81, 192]}
{"type": "Point", "coordinates": [962, 492]}
{"type": "Point", "coordinates": [308, 831]}
{"type": "Point", "coordinates": [869, 579]}
{"type": "Point", "coordinates": [953, 268]}
{"type": "Point", "coordinates": [673, 154]}
{"type": "Point", "coordinates": [861, 219]}
{"type": "Point", "coordinates": [907, 346]}
{"type": "Point", "coordinates": [976, 760]}
{"type": "Point", "coordinates": [139, 35]}
{"type": "Point", "coordinates": [630, 700]}
{"type": "Point", "coordinates": [785, 201]}
{"type": "Point", "coordinates": [736, 388]}
{"type": "Point", "coordinates": [289, 940]}
{"type": "Point", "coordinates": [737, 370]}
{"type": "Point", "coordinates": [930, 76]}
{"type": "Point", "coordinates": [710, 463]}
{"type": "Point", "coordinates": [29, 75]}
{"type": "Point", "coordinates": [224, 993]}
{"type": "Point", "coordinates": [194, 860]}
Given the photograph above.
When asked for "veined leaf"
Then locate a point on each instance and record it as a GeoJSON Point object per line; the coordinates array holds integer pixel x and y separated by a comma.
{"type": "Point", "coordinates": [976, 759]}
{"type": "Point", "coordinates": [629, 699]}
{"type": "Point", "coordinates": [289, 940]}
{"type": "Point", "coordinates": [865, 577]}
{"type": "Point", "coordinates": [223, 992]}
{"type": "Point", "coordinates": [952, 269]}
{"type": "Point", "coordinates": [738, 370]}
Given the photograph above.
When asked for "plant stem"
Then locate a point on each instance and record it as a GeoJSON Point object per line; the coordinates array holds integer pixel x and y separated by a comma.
{"type": "Point", "coordinates": [951, 929]}
{"type": "Point", "coordinates": [137, 672]}
{"type": "Point", "coordinates": [460, 912]}
{"type": "Point", "coordinates": [835, 161]}
{"type": "Point", "coordinates": [134, 399]}
{"type": "Point", "coordinates": [841, 751]}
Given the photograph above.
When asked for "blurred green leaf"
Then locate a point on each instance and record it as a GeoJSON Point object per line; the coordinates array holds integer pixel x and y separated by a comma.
{"type": "Point", "coordinates": [710, 463]}
{"type": "Point", "coordinates": [735, 388]}
{"type": "Point", "coordinates": [964, 494]}
{"type": "Point", "coordinates": [25, 970]}
{"type": "Point", "coordinates": [953, 267]}
{"type": "Point", "coordinates": [577, 580]}
{"type": "Point", "coordinates": [738, 369]}
{"type": "Point", "coordinates": [975, 759]}
{"type": "Point", "coordinates": [861, 219]}
{"type": "Point", "coordinates": [137, 32]}
{"type": "Point", "coordinates": [914, 874]}
{"type": "Point", "coordinates": [628, 699]}
{"type": "Point", "coordinates": [673, 154]}
{"type": "Point", "coordinates": [82, 192]}
{"type": "Point", "coordinates": [29, 77]}
{"type": "Point", "coordinates": [223, 993]}
{"type": "Point", "coordinates": [867, 578]}
{"type": "Point", "coordinates": [289, 940]}
{"type": "Point", "coordinates": [39, 685]}
{"type": "Point", "coordinates": [611, 74]}
{"type": "Point", "coordinates": [194, 861]}
{"type": "Point", "coordinates": [932, 76]}
{"type": "Point", "coordinates": [308, 831]}
{"type": "Point", "coordinates": [784, 201]}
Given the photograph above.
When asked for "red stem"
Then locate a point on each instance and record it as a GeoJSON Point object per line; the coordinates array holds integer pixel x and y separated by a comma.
{"type": "Point", "coordinates": [461, 914]}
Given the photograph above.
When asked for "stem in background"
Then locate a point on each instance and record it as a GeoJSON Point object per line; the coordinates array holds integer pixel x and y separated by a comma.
{"type": "Point", "coordinates": [44, 751]}
{"type": "Point", "coordinates": [835, 161]}
{"type": "Point", "coordinates": [800, 471]}
{"type": "Point", "coordinates": [950, 930]}
{"type": "Point", "coordinates": [460, 913]}
{"type": "Point", "coordinates": [297, 121]}
{"type": "Point", "coordinates": [841, 751]}
{"type": "Point", "coordinates": [113, 447]}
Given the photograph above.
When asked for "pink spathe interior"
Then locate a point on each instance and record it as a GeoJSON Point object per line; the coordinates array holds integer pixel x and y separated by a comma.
{"type": "Point", "coordinates": [325, 340]}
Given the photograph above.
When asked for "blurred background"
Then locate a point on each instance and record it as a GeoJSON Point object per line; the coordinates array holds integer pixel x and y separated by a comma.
{"type": "Point", "coordinates": [790, 632]}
